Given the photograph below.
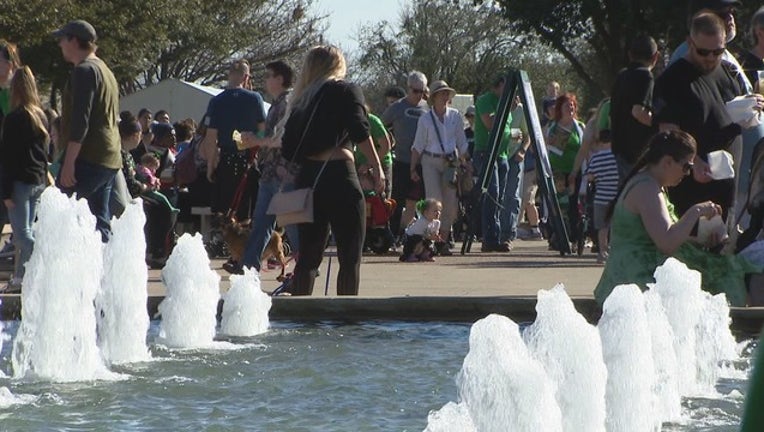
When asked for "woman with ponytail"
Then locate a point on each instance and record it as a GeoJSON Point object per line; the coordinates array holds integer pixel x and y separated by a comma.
{"type": "Point", "coordinates": [645, 230]}
{"type": "Point", "coordinates": [23, 144]}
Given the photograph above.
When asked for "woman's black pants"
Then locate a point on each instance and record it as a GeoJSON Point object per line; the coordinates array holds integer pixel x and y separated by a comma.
{"type": "Point", "coordinates": [338, 203]}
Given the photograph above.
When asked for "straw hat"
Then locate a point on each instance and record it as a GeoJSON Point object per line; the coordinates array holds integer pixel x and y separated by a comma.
{"type": "Point", "coordinates": [440, 85]}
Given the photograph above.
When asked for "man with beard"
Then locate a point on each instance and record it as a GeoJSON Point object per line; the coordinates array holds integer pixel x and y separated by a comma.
{"type": "Point", "coordinates": [688, 97]}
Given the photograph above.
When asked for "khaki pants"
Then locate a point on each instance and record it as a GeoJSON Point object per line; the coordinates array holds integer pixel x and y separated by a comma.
{"type": "Point", "coordinates": [435, 187]}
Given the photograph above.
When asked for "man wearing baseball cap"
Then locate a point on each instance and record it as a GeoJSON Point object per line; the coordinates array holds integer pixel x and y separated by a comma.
{"type": "Point", "coordinates": [90, 112]}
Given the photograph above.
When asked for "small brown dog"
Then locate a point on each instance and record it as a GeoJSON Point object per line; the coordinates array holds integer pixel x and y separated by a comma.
{"type": "Point", "coordinates": [236, 234]}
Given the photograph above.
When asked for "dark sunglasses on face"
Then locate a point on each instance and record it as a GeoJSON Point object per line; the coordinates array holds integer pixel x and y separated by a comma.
{"type": "Point", "coordinates": [416, 91]}
{"type": "Point", "coordinates": [703, 52]}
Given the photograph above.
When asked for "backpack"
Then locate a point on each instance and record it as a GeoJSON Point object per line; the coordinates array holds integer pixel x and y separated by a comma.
{"type": "Point", "coordinates": [188, 163]}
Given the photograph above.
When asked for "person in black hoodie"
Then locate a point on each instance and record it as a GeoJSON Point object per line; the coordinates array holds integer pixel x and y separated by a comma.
{"type": "Point", "coordinates": [24, 165]}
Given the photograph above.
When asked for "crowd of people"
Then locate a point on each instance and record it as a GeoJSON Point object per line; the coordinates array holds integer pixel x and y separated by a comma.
{"type": "Point", "coordinates": [639, 162]}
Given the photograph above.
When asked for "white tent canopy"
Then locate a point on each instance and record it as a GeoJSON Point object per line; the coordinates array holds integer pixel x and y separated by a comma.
{"type": "Point", "coordinates": [180, 98]}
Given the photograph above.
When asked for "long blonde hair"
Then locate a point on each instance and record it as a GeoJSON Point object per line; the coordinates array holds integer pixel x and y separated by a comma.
{"type": "Point", "coordinates": [322, 63]}
{"type": "Point", "coordinates": [24, 96]}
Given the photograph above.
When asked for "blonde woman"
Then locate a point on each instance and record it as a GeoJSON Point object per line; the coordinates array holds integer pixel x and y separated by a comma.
{"type": "Point", "coordinates": [325, 116]}
{"type": "Point", "coordinates": [24, 165]}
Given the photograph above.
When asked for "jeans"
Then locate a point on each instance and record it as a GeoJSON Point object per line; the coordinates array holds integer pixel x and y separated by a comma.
{"type": "Point", "coordinates": [263, 224]}
{"type": "Point", "coordinates": [94, 183]}
{"type": "Point", "coordinates": [510, 214]}
{"type": "Point", "coordinates": [25, 196]}
{"type": "Point", "coordinates": [490, 210]}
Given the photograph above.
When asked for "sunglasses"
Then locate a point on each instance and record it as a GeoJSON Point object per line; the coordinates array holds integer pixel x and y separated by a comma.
{"type": "Point", "coordinates": [687, 167]}
{"type": "Point", "coordinates": [703, 52]}
{"type": "Point", "coordinates": [416, 91]}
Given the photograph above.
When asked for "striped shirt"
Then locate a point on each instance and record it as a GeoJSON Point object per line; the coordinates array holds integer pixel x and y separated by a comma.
{"type": "Point", "coordinates": [603, 168]}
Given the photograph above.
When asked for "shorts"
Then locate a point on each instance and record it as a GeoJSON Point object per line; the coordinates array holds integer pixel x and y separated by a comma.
{"type": "Point", "coordinates": [600, 215]}
{"type": "Point", "coordinates": [530, 187]}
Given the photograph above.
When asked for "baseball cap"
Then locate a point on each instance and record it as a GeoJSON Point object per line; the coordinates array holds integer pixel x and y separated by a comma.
{"type": "Point", "coordinates": [78, 28]}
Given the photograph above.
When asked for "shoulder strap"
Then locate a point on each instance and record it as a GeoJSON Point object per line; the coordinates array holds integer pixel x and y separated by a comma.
{"type": "Point", "coordinates": [632, 184]}
{"type": "Point", "coordinates": [321, 171]}
{"type": "Point", "coordinates": [437, 131]}
{"type": "Point", "coordinates": [307, 126]}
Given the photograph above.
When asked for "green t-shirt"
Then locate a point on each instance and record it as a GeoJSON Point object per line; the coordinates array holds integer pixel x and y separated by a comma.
{"type": "Point", "coordinates": [516, 121]}
{"type": "Point", "coordinates": [487, 104]}
{"type": "Point", "coordinates": [563, 155]}
{"type": "Point", "coordinates": [377, 131]}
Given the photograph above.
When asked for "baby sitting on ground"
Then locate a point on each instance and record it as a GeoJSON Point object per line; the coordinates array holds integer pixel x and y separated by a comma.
{"type": "Point", "coordinates": [421, 233]}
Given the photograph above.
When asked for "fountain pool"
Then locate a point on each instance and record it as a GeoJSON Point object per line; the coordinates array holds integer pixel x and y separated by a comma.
{"type": "Point", "coordinates": [378, 376]}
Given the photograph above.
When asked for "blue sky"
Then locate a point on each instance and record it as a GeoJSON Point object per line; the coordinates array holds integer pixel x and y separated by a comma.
{"type": "Point", "coordinates": [346, 16]}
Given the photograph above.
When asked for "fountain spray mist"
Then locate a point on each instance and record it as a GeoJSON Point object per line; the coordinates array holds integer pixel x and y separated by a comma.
{"type": "Point", "coordinates": [570, 350]}
{"type": "Point", "coordinates": [193, 289]}
{"type": "Point", "coordinates": [628, 353]}
{"type": "Point", "coordinates": [503, 387]}
{"type": "Point", "coordinates": [56, 340]}
{"type": "Point", "coordinates": [122, 318]}
{"type": "Point", "coordinates": [245, 306]}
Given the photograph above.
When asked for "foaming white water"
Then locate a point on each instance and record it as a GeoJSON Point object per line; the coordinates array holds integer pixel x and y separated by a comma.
{"type": "Point", "coordinates": [682, 299]}
{"type": "Point", "coordinates": [700, 323]}
{"type": "Point", "coordinates": [714, 341]}
{"type": "Point", "coordinates": [503, 387]}
{"type": "Point", "coordinates": [452, 417]}
{"type": "Point", "coordinates": [56, 340]}
{"type": "Point", "coordinates": [570, 350]}
{"type": "Point", "coordinates": [3, 338]}
{"type": "Point", "coordinates": [190, 305]}
{"type": "Point", "coordinates": [666, 389]}
{"type": "Point", "coordinates": [122, 317]}
{"type": "Point", "coordinates": [8, 399]}
{"type": "Point", "coordinates": [628, 354]}
{"type": "Point", "coordinates": [245, 306]}
{"type": "Point", "coordinates": [649, 342]}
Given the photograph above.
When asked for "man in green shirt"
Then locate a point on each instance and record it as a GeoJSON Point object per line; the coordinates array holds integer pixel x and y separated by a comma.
{"type": "Point", "coordinates": [89, 117]}
{"type": "Point", "coordinates": [490, 218]}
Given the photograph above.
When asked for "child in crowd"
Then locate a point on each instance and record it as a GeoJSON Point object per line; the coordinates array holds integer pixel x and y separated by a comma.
{"type": "Point", "coordinates": [146, 174]}
{"type": "Point", "coordinates": [421, 233]}
{"type": "Point", "coordinates": [603, 170]}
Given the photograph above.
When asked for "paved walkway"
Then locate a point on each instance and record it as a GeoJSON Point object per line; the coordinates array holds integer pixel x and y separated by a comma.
{"type": "Point", "coordinates": [522, 272]}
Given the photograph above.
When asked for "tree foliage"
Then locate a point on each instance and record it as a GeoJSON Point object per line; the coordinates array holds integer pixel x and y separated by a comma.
{"type": "Point", "coordinates": [145, 42]}
{"type": "Point", "coordinates": [464, 44]}
{"type": "Point", "coordinates": [593, 35]}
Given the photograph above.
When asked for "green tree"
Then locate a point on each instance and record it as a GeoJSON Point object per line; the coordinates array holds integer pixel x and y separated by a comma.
{"type": "Point", "coordinates": [145, 42]}
{"type": "Point", "coordinates": [441, 39]}
{"type": "Point", "coordinates": [592, 35]}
